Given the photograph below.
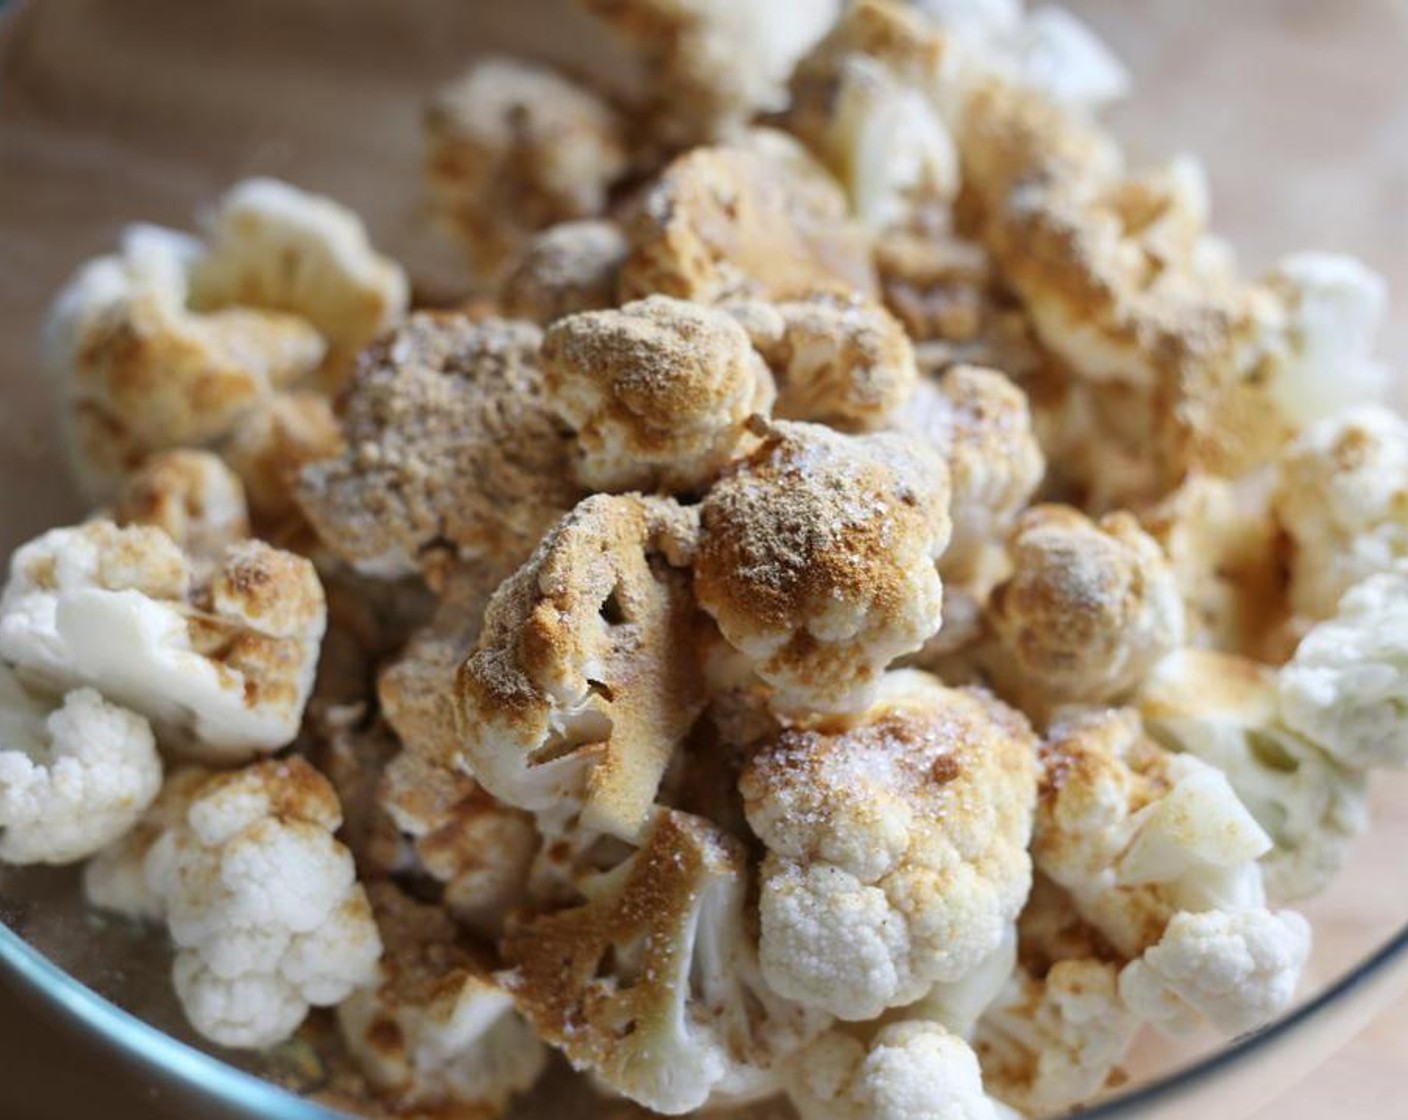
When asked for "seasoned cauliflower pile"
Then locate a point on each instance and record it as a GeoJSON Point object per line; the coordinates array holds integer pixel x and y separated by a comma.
{"type": "Point", "coordinates": [862, 607]}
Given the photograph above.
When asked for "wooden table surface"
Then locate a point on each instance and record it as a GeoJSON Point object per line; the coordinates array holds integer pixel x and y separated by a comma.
{"type": "Point", "coordinates": [118, 109]}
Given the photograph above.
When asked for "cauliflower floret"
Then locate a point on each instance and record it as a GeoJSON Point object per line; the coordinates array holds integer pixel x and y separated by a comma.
{"type": "Point", "coordinates": [1222, 545]}
{"type": "Point", "coordinates": [450, 449]}
{"type": "Point", "coordinates": [839, 357]}
{"type": "Point", "coordinates": [1089, 608]}
{"type": "Point", "coordinates": [1346, 688]}
{"type": "Point", "coordinates": [1342, 497]}
{"type": "Point", "coordinates": [757, 219]}
{"type": "Point", "coordinates": [268, 448]}
{"type": "Point", "coordinates": [658, 394]}
{"type": "Point", "coordinates": [262, 904]}
{"type": "Point", "coordinates": [652, 983]}
{"type": "Point", "coordinates": [1047, 1044]}
{"type": "Point", "coordinates": [816, 560]}
{"type": "Point", "coordinates": [1048, 50]}
{"type": "Point", "coordinates": [713, 65]}
{"type": "Point", "coordinates": [191, 496]}
{"type": "Point", "coordinates": [514, 148]}
{"type": "Point", "coordinates": [1159, 855]}
{"type": "Point", "coordinates": [1224, 710]}
{"type": "Point", "coordinates": [910, 1070]}
{"type": "Point", "coordinates": [1237, 970]}
{"type": "Point", "coordinates": [222, 667]}
{"type": "Point", "coordinates": [440, 1033]}
{"type": "Point", "coordinates": [139, 370]}
{"type": "Point", "coordinates": [897, 847]}
{"type": "Point", "coordinates": [584, 679]}
{"type": "Point", "coordinates": [569, 267]}
{"type": "Point", "coordinates": [979, 421]}
{"type": "Point", "coordinates": [274, 246]}
{"type": "Point", "coordinates": [868, 100]}
{"type": "Point", "coordinates": [73, 778]}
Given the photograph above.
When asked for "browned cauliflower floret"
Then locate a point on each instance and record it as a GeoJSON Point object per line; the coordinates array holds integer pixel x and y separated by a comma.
{"type": "Point", "coordinates": [584, 679]}
{"type": "Point", "coordinates": [514, 148]}
{"type": "Point", "coordinates": [221, 659]}
{"type": "Point", "coordinates": [652, 984]}
{"type": "Point", "coordinates": [450, 450]}
{"type": "Point", "coordinates": [712, 65]}
{"type": "Point", "coordinates": [839, 357]}
{"type": "Point", "coordinates": [1088, 610]}
{"type": "Point", "coordinates": [869, 100]}
{"type": "Point", "coordinates": [439, 1036]}
{"type": "Point", "coordinates": [897, 846]}
{"type": "Point", "coordinates": [191, 496]}
{"type": "Point", "coordinates": [816, 559]}
{"type": "Point", "coordinates": [754, 220]}
{"type": "Point", "coordinates": [981, 424]}
{"type": "Point", "coordinates": [569, 267]}
{"type": "Point", "coordinates": [268, 448]}
{"type": "Point", "coordinates": [658, 394]}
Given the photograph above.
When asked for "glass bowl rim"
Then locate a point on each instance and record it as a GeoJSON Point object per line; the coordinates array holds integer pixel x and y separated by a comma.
{"type": "Point", "coordinates": [144, 1045]}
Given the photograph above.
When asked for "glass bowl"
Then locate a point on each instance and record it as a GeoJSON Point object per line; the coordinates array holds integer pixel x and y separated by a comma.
{"type": "Point", "coordinates": [144, 109]}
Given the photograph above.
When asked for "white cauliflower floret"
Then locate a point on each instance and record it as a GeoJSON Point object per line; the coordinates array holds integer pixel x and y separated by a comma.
{"type": "Point", "coordinates": [652, 983]}
{"type": "Point", "coordinates": [897, 847]}
{"type": "Point", "coordinates": [869, 101]}
{"type": "Point", "coordinates": [910, 1070]}
{"type": "Point", "coordinates": [192, 496]}
{"type": "Point", "coordinates": [1342, 497]}
{"type": "Point", "coordinates": [262, 904]}
{"type": "Point", "coordinates": [451, 451]}
{"type": "Point", "coordinates": [1089, 608]}
{"type": "Point", "coordinates": [1051, 1043]}
{"type": "Point", "coordinates": [1237, 970]}
{"type": "Point", "coordinates": [222, 666]}
{"type": "Point", "coordinates": [273, 246]}
{"type": "Point", "coordinates": [839, 357]}
{"type": "Point", "coordinates": [1225, 711]}
{"type": "Point", "coordinates": [816, 560]}
{"type": "Point", "coordinates": [74, 778]}
{"type": "Point", "coordinates": [756, 219]}
{"type": "Point", "coordinates": [713, 65]}
{"type": "Point", "coordinates": [1346, 687]}
{"type": "Point", "coordinates": [584, 679]}
{"type": "Point", "coordinates": [440, 1032]}
{"type": "Point", "coordinates": [658, 394]}
{"type": "Point", "coordinates": [569, 267]}
{"type": "Point", "coordinates": [140, 370]}
{"type": "Point", "coordinates": [1159, 855]}
{"type": "Point", "coordinates": [514, 148]}
{"type": "Point", "coordinates": [981, 424]}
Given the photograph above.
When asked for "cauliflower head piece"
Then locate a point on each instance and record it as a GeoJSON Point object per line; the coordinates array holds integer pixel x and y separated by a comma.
{"type": "Point", "coordinates": [451, 450]}
{"type": "Point", "coordinates": [584, 679]}
{"type": "Point", "coordinates": [191, 496]}
{"type": "Point", "coordinates": [652, 984]}
{"type": "Point", "coordinates": [659, 394]}
{"type": "Point", "coordinates": [73, 778]}
{"type": "Point", "coordinates": [816, 559]}
{"type": "Point", "coordinates": [909, 1070]}
{"type": "Point", "coordinates": [1346, 687]}
{"type": "Point", "coordinates": [753, 219]}
{"type": "Point", "coordinates": [568, 267]}
{"type": "Point", "coordinates": [896, 845]}
{"type": "Point", "coordinates": [1342, 498]}
{"type": "Point", "coordinates": [1089, 609]}
{"type": "Point", "coordinates": [839, 357]}
{"type": "Point", "coordinates": [262, 904]}
{"type": "Point", "coordinates": [222, 665]}
{"type": "Point", "coordinates": [513, 148]}
{"type": "Point", "coordinates": [440, 1032]}
{"type": "Point", "coordinates": [1226, 710]}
